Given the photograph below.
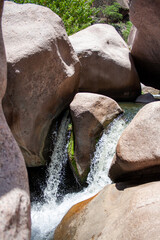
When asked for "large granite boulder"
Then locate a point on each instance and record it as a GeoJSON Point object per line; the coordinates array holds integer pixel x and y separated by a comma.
{"type": "Point", "coordinates": [43, 74]}
{"type": "Point", "coordinates": [147, 89]}
{"type": "Point", "coordinates": [124, 3]}
{"type": "Point", "coordinates": [118, 212]}
{"type": "Point", "coordinates": [14, 190]}
{"type": "Point", "coordinates": [137, 152]}
{"type": "Point", "coordinates": [145, 51]}
{"type": "Point", "coordinates": [91, 113]}
{"type": "Point", "coordinates": [131, 36]}
{"type": "Point", "coordinates": [107, 66]}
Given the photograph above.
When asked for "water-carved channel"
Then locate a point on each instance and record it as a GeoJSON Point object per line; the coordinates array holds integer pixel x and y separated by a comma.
{"type": "Point", "coordinates": [48, 211]}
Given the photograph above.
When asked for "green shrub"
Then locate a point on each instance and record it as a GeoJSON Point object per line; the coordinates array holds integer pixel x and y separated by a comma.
{"type": "Point", "coordinates": [76, 14]}
{"type": "Point", "coordinates": [112, 13]}
{"type": "Point", "coordinates": [126, 31]}
{"type": "Point", "coordinates": [123, 28]}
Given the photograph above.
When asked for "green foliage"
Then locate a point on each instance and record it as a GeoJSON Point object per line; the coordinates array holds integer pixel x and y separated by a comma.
{"type": "Point", "coordinates": [76, 14]}
{"type": "Point", "coordinates": [123, 28]}
{"type": "Point", "coordinates": [71, 151]}
{"type": "Point", "coordinates": [112, 13]}
{"type": "Point", "coordinates": [71, 147]}
{"type": "Point", "coordinates": [126, 31]}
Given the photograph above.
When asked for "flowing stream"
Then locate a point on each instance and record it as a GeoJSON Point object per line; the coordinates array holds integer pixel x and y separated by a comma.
{"type": "Point", "coordinates": [46, 215]}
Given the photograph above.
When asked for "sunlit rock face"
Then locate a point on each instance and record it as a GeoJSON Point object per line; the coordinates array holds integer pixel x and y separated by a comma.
{"type": "Point", "coordinates": [137, 152]}
{"type": "Point", "coordinates": [91, 113]}
{"type": "Point", "coordinates": [14, 190]}
{"type": "Point", "coordinates": [145, 50]}
{"type": "Point", "coordinates": [121, 211]}
{"type": "Point", "coordinates": [43, 74]}
{"type": "Point", "coordinates": [107, 66]}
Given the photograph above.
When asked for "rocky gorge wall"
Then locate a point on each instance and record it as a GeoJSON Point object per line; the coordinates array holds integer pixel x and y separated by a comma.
{"type": "Point", "coordinates": [145, 47]}
{"type": "Point", "coordinates": [43, 75]}
{"type": "Point", "coordinates": [15, 222]}
{"type": "Point", "coordinates": [44, 70]}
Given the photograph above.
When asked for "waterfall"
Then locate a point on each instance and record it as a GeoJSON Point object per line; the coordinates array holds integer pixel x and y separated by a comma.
{"type": "Point", "coordinates": [44, 217]}
{"type": "Point", "coordinates": [105, 149]}
{"type": "Point", "coordinates": [58, 159]}
{"type": "Point", "coordinates": [47, 215]}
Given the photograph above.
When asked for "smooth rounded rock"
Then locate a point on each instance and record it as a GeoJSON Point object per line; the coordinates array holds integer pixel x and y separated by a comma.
{"type": "Point", "coordinates": [107, 66]}
{"type": "Point", "coordinates": [137, 152]}
{"type": "Point", "coordinates": [91, 113]}
{"type": "Point", "coordinates": [118, 212]}
{"type": "Point", "coordinates": [131, 36]}
{"type": "Point", "coordinates": [147, 89]}
{"type": "Point", "coordinates": [15, 220]}
{"type": "Point", "coordinates": [145, 50]}
{"type": "Point", "coordinates": [43, 74]}
{"type": "Point", "coordinates": [124, 3]}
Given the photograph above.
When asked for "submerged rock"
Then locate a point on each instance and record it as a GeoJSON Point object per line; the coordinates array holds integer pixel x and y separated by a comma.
{"type": "Point", "coordinates": [107, 66]}
{"type": "Point", "coordinates": [145, 50]}
{"type": "Point", "coordinates": [137, 152]}
{"type": "Point", "coordinates": [14, 191]}
{"type": "Point", "coordinates": [43, 74]}
{"type": "Point", "coordinates": [118, 212]}
{"type": "Point", "coordinates": [145, 98]}
{"type": "Point", "coordinates": [90, 114]}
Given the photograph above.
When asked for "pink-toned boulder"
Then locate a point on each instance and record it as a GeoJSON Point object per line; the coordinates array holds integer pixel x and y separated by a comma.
{"type": "Point", "coordinates": [131, 36]}
{"type": "Point", "coordinates": [91, 113]}
{"type": "Point", "coordinates": [43, 74]}
{"type": "Point", "coordinates": [118, 212]}
{"type": "Point", "coordinates": [107, 66]}
{"type": "Point", "coordinates": [137, 152]}
{"type": "Point", "coordinates": [124, 3]}
{"type": "Point", "coordinates": [145, 51]}
{"type": "Point", "coordinates": [14, 190]}
{"type": "Point", "coordinates": [147, 89]}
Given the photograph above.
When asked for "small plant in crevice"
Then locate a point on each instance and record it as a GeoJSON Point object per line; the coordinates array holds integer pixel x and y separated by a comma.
{"type": "Point", "coordinates": [71, 149]}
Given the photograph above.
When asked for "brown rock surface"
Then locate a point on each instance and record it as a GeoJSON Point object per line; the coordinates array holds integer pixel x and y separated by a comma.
{"type": "Point", "coordinates": [43, 72]}
{"type": "Point", "coordinates": [137, 148]}
{"type": "Point", "coordinates": [3, 66]}
{"type": "Point", "coordinates": [90, 114]}
{"type": "Point", "coordinates": [14, 190]}
{"type": "Point", "coordinates": [107, 67]}
{"type": "Point", "coordinates": [145, 51]}
{"type": "Point", "coordinates": [117, 213]}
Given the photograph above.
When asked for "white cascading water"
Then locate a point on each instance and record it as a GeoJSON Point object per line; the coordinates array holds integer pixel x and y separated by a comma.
{"type": "Point", "coordinates": [46, 216]}
{"type": "Point", "coordinates": [58, 159]}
